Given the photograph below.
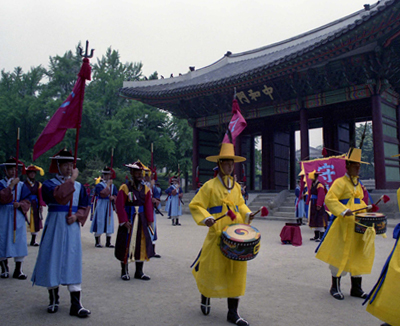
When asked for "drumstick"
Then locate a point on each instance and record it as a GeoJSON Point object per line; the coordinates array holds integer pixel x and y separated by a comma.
{"type": "Point", "coordinates": [373, 207]}
{"type": "Point", "coordinates": [229, 213]}
{"type": "Point", "coordinates": [385, 199]}
{"type": "Point", "coordinates": [264, 211]}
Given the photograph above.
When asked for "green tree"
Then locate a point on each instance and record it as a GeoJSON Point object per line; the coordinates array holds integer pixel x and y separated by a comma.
{"type": "Point", "coordinates": [367, 170]}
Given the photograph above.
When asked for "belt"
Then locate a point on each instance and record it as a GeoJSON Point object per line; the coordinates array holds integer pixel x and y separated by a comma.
{"type": "Point", "coordinates": [132, 208]}
{"type": "Point", "coordinates": [62, 208]}
{"type": "Point", "coordinates": [217, 209]}
{"type": "Point", "coordinates": [345, 201]}
{"type": "Point", "coordinates": [314, 196]}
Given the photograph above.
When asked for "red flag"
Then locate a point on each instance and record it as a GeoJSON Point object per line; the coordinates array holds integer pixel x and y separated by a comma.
{"type": "Point", "coordinates": [68, 116]}
{"type": "Point", "coordinates": [237, 124]}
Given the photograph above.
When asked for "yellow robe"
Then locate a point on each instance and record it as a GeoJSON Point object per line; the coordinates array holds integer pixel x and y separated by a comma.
{"type": "Point", "coordinates": [343, 247]}
{"type": "Point", "coordinates": [386, 304]}
{"type": "Point", "coordinates": [216, 275]}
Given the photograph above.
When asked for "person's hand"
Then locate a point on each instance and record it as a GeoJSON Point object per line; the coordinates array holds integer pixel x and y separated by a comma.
{"type": "Point", "coordinates": [128, 225]}
{"type": "Point", "coordinates": [16, 204]}
{"type": "Point", "coordinates": [348, 212]}
{"type": "Point", "coordinates": [112, 198]}
{"type": "Point", "coordinates": [318, 208]}
{"type": "Point", "coordinates": [71, 219]}
{"type": "Point", "coordinates": [210, 222]}
{"type": "Point", "coordinates": [13, 182]}
{"type": "Point", "coordinates": [173, 192]}
{"type": "Point", "coordinates": [251, 216]}
{"type": "Point", "coordinates": [75, 173]}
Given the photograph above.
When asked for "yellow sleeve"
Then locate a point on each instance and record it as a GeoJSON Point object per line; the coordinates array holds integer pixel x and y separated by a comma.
{"type": "Point", "coordinates": [334, 195]}
{"type": "Point", "coordinates": [243, 209]}
{"type": "Point", "coordinates": [199, 204]}
{"type": "Point", "coordinates": [398, 197]}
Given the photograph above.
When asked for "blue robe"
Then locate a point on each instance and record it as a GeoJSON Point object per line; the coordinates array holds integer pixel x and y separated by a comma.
{"type": "Point", "coordinates": [103, 219]}
{"type": "Point", "coordinates": [175, 207]}
{"type": "Point", "coordinates": [59, 259]}
{"type": "Point", "coordinates": [157, 195]}
{"type": "Point", "coordinates": [7, 246]}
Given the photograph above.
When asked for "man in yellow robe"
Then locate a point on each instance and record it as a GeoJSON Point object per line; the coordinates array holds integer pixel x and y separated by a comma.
{"type": "Point", "coordinates": [342, 248]}
{"type": "Point", "coordinates": [384, 299]}
{"type": "Point", "coordinates": [216, 275]}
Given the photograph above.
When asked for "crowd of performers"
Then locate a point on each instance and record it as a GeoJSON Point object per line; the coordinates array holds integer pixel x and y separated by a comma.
{"type": "Point", "coordinates": [137, 203]}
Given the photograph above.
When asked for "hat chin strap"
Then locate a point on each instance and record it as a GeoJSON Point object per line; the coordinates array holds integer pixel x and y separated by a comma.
{"type": "Point", "coordinates": [223, 175]}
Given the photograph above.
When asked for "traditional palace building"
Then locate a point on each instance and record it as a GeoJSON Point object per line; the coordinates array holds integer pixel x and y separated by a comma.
{"type": "Point", "coordinates": [341, 73]}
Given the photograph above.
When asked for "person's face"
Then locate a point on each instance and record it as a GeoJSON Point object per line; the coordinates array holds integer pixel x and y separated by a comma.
{"type": "Point", "coordinates": [65, 168]}
{"type": "Point", "coordinates": [31, 174]}
{"type": "Point", "coordinates": [10, 172]}
{"type": "Point", "coordinates": [137, 175]}
{"type": "Point", "coordinates": [227, 166]}
{"type": "Point", "coordinates": [106, 176]}
{"type": "Point", "coordinates": [353, 169]}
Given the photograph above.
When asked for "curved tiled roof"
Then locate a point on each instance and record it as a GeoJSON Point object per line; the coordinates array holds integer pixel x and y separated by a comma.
{"type": "Point", "coordinates": [266, 62]}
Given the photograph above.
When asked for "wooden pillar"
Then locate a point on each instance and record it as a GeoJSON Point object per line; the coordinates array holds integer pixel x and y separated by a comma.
{"type": "Point", "coordinates": [304, 139]}
{"type": "Point", "coordinates": [267, 165]}
{"type": "Point", "coordinates": [379, 153]}
{"type": "Point", "coordinates": [238, 152]}
{"type": "Point", "coordinates": [252, 164]}
{"type": "Point", "coordinates": [195, 157]}
{"type": "Point", "coordinates": [328, 134]}
{"type": "Point", "coordinates": [293, 162]}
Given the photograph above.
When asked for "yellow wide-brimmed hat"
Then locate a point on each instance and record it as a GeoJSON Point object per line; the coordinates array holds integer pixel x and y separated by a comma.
{"type": "Point", "coordinates": [313, 175]}
{"type": "Point", "coordinates": [354, 155]}
{"type": "Point", "coordinates": [227, 152]}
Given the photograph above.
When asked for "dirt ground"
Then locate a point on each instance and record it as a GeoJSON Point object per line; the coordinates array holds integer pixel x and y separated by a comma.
{"type": "Point", "coordinates": [286, 285]}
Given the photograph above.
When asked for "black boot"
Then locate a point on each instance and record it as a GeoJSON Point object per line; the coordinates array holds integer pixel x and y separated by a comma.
{"type": "Point", "coordinates": [155, 254]}
{"type": "Point", "coordinates": [316, 236]}
{"type": "Point", "coordinates": [4, 269]}
{"type": "Point", "coordinates": [356, 290]}
{"type": "Point", "coordinates": [18, 273]}
{"type": "Point", "coordinates": [173, 221]}
{"type": "Point", "coordinates": [124, 272]}
{"type": "Point", "coordinates": [321, 234]}
{"type": "Point", "coordinates": [76, 306]}
{"type": "Point", "coordinates": [98, 244]}
{"type": "Point", "coordinates": [233, 315]}
{"type": "Point", "coordinates": [205, 306]}
{"type": "Point", "coordinates": [108, 242]}
{"type": "Point", "coordinates": [335, 289]}
{"type": "Point", "coordinates": [33, 241]}
{"type": "Point", "coordinates": [54, 301]}
{"type": "Point", "coordinates": [177, 222]}
{"type": "Point", "coordinates": [139, 272]}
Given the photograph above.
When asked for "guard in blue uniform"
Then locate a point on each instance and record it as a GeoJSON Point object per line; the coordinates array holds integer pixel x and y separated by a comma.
{"type": "Point", "coordinates": [59, 260]}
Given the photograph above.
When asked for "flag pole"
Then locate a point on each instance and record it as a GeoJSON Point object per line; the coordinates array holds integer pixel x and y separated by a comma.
{"type": "Point", "coordinates": [86, 57]}
{"type": "Point", "coordinates": [16, 185]}
{"type": "Point", "coordinates": [111, 174]}
{"type": "Point", "coordinates": [152, 156]}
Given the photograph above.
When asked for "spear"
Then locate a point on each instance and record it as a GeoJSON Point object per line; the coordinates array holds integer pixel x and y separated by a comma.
{"type": "Point", "coordinates": [86, 75]}
{"type": "Point", "coordinates": [111, 174]}
{"type": "Point", "coordinates": [16, 185]}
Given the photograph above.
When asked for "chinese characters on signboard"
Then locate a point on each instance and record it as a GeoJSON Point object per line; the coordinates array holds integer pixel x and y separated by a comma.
{"type": "Point", "coordinates": [251, 96]}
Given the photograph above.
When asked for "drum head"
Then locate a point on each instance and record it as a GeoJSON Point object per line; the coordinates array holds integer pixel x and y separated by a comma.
{"type": "Point", "coordinates": [373, 215]}
{"type": "Point", "coordinates": [241, 233]}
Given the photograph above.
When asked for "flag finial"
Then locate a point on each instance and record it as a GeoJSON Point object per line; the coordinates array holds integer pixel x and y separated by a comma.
{"type": "Point", "coordinates": [86, 55]}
